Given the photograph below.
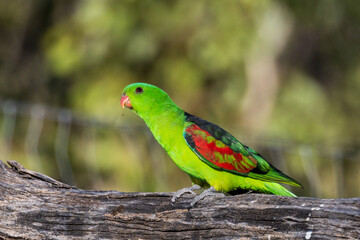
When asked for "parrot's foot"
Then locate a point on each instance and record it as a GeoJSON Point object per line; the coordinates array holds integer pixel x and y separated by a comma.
{"type": "Point", "coordinates": [207, 192]}
{"type": "Point", "coordinates": [181, 192]}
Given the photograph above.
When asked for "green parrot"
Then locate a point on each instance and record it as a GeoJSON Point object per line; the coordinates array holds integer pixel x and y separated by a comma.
{"type": "Point", "coordinates": [212, 157]}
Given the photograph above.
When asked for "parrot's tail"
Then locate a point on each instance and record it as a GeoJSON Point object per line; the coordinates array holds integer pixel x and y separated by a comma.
{"type": "Point", "coordinates": [277, 189]}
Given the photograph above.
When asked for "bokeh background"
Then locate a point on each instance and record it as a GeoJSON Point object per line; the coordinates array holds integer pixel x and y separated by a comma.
{"type": "Point", "coordinates": [282, 76]}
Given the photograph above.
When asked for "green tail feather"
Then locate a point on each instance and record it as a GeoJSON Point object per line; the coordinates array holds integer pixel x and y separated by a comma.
{"type": "Point", "coordinates": [277, 189]}
{"type": "Point", "coordinates": [276, 175]}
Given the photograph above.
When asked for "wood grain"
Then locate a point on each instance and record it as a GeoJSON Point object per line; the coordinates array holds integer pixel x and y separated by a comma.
{"type": "Point", "coordinates": [35, 206]}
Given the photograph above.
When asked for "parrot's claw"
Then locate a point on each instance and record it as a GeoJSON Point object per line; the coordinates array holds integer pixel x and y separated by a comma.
{"type": "Point", "coordinates": [181, 192]}
{"type": "Point", "coordinates": [207, 192]}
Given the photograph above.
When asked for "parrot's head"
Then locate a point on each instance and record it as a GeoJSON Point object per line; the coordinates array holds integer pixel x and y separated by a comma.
{"type": "Point", "coordinates": [145, 98]}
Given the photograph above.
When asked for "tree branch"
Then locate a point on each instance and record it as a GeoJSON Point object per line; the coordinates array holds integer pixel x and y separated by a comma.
{"type": "Point", "coordinates": [35, 206]}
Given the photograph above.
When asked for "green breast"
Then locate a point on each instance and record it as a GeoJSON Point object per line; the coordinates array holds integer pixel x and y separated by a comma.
{"type": "Point", "coordinates": [167, 129]}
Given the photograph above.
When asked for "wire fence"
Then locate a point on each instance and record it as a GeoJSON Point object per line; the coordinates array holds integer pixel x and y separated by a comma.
{"type": "Point", "coordinates": [327, 171]}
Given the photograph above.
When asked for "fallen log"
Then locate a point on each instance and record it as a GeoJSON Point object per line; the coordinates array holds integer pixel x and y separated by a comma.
{"type": "Point", "coordinates": [35, 206]}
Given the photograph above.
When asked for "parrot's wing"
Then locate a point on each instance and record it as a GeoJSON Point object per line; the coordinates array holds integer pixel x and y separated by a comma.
{"type": "Point", "coordinates": [220, 150]}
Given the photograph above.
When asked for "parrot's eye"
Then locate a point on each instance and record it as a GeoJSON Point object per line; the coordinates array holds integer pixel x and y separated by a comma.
{"type": "Point", "coordinates": [139, 90]}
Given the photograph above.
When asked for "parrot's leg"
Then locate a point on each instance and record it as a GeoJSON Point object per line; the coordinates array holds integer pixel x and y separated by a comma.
{"type": "Point", "coordinates": [207, 192]}
{"type": "Point", "coordinates": [181, 192]}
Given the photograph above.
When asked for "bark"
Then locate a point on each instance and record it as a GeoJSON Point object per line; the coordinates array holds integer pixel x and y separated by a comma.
{"type": "Point", "coordinates": [34, 206]}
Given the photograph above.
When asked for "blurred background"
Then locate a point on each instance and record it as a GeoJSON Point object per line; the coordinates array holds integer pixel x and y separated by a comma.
{"type": "Point", "coordinates": [281, 76]}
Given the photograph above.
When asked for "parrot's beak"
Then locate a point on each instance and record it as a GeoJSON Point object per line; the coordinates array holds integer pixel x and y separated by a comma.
{"type": "Point", "coordinates": [125, 102]}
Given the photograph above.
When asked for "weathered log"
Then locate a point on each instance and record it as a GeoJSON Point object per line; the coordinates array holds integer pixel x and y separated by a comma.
{"type": "Point", "coordinates": [34, 206]}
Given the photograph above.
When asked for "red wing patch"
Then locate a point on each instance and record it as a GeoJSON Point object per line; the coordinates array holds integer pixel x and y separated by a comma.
{"type": "Point", "coordinates": [218, 153]}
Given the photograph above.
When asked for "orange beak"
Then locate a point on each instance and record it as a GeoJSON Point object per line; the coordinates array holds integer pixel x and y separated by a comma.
{"type": "Point", "coordinates": [125, 102]}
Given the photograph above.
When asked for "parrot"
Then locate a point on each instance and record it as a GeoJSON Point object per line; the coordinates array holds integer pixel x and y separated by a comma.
{"type": "Point", "coordinates": [214, 159]}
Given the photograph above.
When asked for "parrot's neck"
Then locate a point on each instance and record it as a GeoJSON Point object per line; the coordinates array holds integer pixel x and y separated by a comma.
{"type": "Point", "coordinates": [166, 124]}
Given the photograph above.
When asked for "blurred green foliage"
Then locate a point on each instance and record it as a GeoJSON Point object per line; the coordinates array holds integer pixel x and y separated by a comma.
{"type": "Point", "coordinates": [261, 69]}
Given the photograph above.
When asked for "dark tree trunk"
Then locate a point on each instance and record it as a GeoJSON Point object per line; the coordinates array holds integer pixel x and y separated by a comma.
{"type": "Point", "coordinates": [34, 206]}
